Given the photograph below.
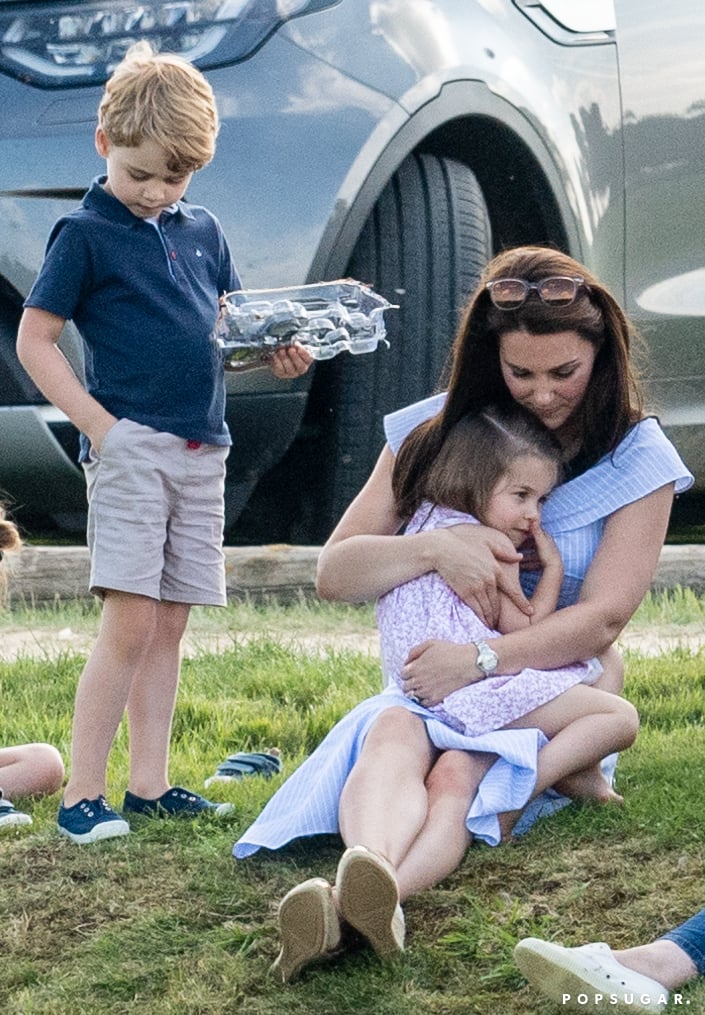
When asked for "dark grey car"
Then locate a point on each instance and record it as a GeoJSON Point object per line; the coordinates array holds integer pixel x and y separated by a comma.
{"type": "Point", "coordinates": [399, 142]}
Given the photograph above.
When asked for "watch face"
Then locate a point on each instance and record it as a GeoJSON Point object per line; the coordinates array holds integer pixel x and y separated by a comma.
{"type": "Point", "coordinates": [487, 659]}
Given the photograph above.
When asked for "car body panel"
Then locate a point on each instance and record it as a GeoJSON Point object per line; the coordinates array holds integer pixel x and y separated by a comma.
{"type": "Point", "coordinates": [316, 121]}
{"type": "Point", "coordinates": [661, 55]}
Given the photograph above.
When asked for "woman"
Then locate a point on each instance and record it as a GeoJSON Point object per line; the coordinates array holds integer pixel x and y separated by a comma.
{"type": "Point", "coordinates": [28, 769]}
{"type": "Point", "coordinates": [406, 793]}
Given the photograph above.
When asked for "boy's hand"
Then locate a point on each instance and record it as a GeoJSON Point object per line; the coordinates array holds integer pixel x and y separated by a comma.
{"type": "Point", "coordinates": [290, 361]}
{"type": "Point", "coordinates": [97, 434]}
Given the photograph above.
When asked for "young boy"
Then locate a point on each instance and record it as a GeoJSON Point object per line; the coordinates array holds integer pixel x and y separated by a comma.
{"type": "Point", "coordinates": [140, 272]}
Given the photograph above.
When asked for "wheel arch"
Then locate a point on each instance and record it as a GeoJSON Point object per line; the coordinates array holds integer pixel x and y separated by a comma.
{"type": "Point", "coordinates": [525, 202]}
{"type": "Point", "coordinates": [467, 122]}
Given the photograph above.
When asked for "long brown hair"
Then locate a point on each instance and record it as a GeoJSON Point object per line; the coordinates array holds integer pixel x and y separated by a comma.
{"type": "Point", "coordinates": [478, 451]}
{"type": "Point", "coordinates": [613, 401]}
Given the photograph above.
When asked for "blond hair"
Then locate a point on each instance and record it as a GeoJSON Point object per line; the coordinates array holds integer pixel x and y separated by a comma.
{"type": "Point", "coordinates": [10, 539]}
{"type": "Point", "coordinates": [162, 98]}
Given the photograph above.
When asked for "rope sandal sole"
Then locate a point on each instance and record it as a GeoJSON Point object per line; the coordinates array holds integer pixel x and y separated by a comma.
{"type": "Point", "coordinates": [368, 897]}
{"type": "Point", "coordinates": [309, 928]}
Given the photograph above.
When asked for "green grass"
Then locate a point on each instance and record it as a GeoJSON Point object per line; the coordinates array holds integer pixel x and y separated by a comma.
{"type": "Point", "coordinates": [166, 922]}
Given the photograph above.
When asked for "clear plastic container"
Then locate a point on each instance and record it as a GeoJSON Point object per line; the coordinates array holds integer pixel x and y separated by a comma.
{"type": "Point", "coordinates": [326, 318]}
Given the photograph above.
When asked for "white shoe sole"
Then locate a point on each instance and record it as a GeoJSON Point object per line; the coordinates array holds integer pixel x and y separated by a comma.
{"type": "Point", "coordinates": [105, 830]}
{"type": "Point", "coordinates": [13, 820]}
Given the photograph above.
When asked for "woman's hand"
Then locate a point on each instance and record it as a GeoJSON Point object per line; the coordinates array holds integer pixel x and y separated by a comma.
{"type": "Point", "coordinates": [434, 669]}
{"type": "Point", "coordinates": [290, 361]}
{"type": "Point", "coordinates": [468, 558]}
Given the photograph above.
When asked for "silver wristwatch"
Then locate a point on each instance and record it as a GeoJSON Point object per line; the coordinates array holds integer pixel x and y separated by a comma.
{"type": "Point", "coordinates": [487, 659]}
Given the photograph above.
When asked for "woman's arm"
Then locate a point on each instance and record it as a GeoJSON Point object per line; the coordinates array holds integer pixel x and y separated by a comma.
{"type": "Point", "coordinates": [364, 558]}
{"type": "Point", "coordinates": [618, 579]}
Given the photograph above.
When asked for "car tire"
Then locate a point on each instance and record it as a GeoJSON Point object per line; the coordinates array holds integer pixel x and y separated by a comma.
{"type": "Point", "coordinates": [423, 247]}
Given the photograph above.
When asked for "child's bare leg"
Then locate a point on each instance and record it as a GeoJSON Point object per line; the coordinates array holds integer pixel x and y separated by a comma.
{"type": "Point", "coordinates": [591, 782]}
{"type": "Point", "coordinates": [584, 725]}
{"type": "Point", "coordinates": [150, 706]}
{"type": "Point", "coordinates": [126, 628]}
{"type": "Point", "coordinates": [612, 677]}
{"type": "Point", "coordinates": [29, 769]}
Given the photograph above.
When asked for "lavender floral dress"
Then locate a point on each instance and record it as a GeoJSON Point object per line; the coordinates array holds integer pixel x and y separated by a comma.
{"type": "Point", "coordinates": [427, 607]}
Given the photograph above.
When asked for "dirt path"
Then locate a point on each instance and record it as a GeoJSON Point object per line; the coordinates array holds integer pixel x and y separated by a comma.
{"type": "Point", "coordinates": [51, 642]}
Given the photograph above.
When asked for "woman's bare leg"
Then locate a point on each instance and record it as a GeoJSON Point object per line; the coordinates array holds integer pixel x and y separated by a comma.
{"type": "Point", "coordinates": [408, 802]}
{"type": "Point", "coordinates": [442, 842]}
{"type": "Point", "coordinates": [612, 677]}
{"type": "Point", "coordinates": [662, 960]}
{"type": "Point", "coordinates": [384, 803]}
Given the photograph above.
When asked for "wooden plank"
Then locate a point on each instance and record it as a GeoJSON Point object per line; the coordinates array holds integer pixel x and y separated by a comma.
{"type": "Point", "coordinates": [44, 574]}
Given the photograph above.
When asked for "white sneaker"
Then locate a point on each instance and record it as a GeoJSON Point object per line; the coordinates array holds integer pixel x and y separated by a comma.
{"type": "Point", "coordinates": [10, 816]}
{"type": "Point", "coordinates": [589, 977]}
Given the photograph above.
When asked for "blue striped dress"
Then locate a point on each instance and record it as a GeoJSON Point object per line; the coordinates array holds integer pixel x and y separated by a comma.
{"type": "Point", "coordinates": [575, 514]}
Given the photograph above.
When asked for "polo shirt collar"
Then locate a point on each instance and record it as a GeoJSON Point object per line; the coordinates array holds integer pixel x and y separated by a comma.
{"type": "Point", "coordinates": [99, 200]}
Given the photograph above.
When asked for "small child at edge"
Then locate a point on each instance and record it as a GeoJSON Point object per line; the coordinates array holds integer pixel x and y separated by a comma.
{"type": "Point", "coordinates": [141, 272]}
{"type": "Point", "coordinates": [25, 769]}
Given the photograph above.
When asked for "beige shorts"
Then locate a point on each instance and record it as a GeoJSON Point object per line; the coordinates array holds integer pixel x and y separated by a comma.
{"type": "Point", "coordinates": [156, 516]}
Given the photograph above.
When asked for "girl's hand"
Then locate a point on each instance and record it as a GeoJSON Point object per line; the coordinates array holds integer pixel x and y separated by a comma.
{"type": "Point", "coordinates": [468, 558]}
{"type": "Point", "coordinates": [434, 669]}
{"type": "Point", "coordinates": [290, 361]}
{"type": "Point", "coordinates": [547, 552]}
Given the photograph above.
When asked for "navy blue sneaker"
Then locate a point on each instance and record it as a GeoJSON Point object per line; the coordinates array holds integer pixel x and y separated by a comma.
{"type": "Point", "coordinates": [90, 821]}
{"type": "Point", "coordinates": [176, 802]}
{"type": "Point", "coordinates": [10, 817]}
{"type": "Point", "coordinates": [237, 766]}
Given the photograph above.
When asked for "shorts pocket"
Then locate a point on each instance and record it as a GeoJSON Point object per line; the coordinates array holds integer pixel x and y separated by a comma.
{"type": "Point", "coordinates": [111, 437]}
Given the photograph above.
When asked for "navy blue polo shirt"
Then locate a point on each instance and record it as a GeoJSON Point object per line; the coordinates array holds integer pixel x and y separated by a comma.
{"type": "Point", "coordinates": [145, 301]}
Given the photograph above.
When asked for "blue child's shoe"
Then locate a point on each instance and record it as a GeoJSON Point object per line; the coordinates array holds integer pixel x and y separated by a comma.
{"type": "Point", "coordinates": [10, 817]}
{"type": "Point", "coordinates": [237, 766]}
{"type": "Point", "coordinates": [90, 821]}
{"type": "Point", "coordinates": [176, 802]}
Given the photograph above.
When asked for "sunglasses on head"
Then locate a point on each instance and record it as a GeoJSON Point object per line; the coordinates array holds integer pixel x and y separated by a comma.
{"type": "Point", "coordinates": [554, 291]}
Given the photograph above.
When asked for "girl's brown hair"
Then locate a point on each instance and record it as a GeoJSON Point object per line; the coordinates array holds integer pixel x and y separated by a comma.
{"type": "Point", "coordinates": [477, 452]}
{"type": "Point", "coordinates": [613, 401]}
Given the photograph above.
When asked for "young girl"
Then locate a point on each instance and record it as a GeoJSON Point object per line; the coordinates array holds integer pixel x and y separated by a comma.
{"type": "Point", "coordinates": [27, 769]}
{"type": "Point", "coordinates": [497, 468]}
